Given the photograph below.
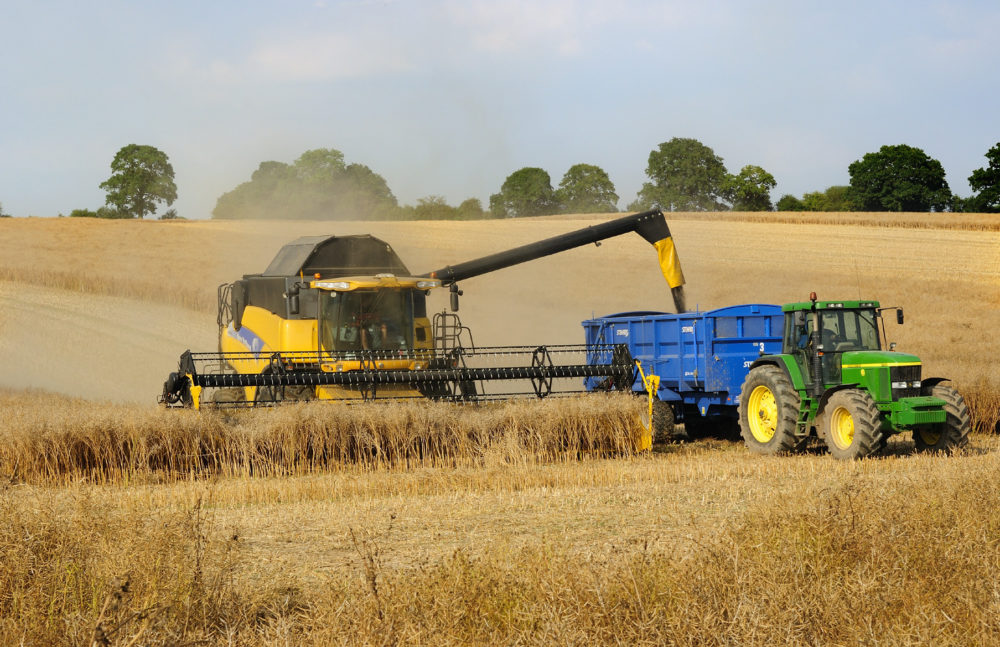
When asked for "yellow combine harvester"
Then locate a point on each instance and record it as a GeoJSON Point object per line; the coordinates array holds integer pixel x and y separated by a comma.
{"type": "Point", "coordinates": [342, 318]}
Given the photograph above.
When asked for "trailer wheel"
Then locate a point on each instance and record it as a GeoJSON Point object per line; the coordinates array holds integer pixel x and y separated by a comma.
{"type": "Point", "coordinates": [954, 432]}
{"type": "Point", "coordinates": [851, 425]}
{"type": "Point", "coordinates": [663, 422]}
{"type": "Point", "coordinates": [769, 411]}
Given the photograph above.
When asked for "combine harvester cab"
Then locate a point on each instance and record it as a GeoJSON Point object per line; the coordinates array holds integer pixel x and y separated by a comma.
{"type": "Point", "coordinates": [698, 360]}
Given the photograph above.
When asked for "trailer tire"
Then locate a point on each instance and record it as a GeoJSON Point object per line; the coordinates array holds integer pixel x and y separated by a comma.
{"type": "Point", "coordinates": [953, 433]}
{"type": "Point", "coordinates": [769, 411]}
{"type": "Point", "coordinates": [664, 430]}
{"type": "Point", "coordinates": [851, 425]}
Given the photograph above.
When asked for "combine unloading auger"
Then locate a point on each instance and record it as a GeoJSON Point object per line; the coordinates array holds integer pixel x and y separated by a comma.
{"type": "Point", "coordinates": [341, 318]}
{"type": "Point", "coordinates": [651, 225]}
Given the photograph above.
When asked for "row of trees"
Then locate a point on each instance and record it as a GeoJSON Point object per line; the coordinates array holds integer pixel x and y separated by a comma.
{"type": "Point", "coordinates": [683, 175]}
{"type": "Point", "coordinates": [903, 178]}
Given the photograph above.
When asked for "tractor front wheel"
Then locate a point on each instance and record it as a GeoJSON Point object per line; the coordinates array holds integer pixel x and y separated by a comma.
{"type": "Point", "coordinates": [851, 425]}
{"type": "Point", "coordinates": [769, 411]}
{"type": "Point", "coordinates": [953, 432]}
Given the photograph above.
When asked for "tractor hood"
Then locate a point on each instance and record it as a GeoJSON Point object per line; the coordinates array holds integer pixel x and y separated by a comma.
{"type": "Point", "coordinates": [862, 359]}
{"type": "Point", "coordinates": [887, 376]}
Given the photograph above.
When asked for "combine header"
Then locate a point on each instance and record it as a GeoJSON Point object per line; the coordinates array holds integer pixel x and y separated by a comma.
{"type": "Point", "coordinates": [342, 318]}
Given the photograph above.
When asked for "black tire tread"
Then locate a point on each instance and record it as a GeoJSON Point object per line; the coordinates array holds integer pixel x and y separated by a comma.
{"type": "Point", "coordinates": [868, 436]}
{"type": "Point", "coordinates": [958, 423]}
{"type": "Point", "coordinates": [788, 401]}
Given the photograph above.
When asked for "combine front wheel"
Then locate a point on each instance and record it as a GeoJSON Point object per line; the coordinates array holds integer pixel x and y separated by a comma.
{"type": "Point", "coordinates": [851, 425]}
{"type": "Point", "coordinates": [951, 434]}
{"type": "Point", "coordinates": [769, 411]}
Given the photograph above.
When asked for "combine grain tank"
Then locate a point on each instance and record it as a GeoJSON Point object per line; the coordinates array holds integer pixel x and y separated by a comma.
{"type": "Point", "coordinates": [700, 358]}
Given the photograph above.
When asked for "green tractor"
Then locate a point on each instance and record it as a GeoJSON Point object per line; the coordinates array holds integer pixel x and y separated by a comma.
{"type": "Point", "coordinates": [833, 379]}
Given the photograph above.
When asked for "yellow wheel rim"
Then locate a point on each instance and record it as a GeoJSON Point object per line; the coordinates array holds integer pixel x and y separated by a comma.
{"type": "Point", "coordinates": [930, 437]}
{"type": "Point", "coordinates": [842, 428]}
{"type": "Point", "coordinates": [762, 414]}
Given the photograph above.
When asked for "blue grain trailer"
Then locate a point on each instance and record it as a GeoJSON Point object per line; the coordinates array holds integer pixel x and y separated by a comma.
{"type": "Point", "coordinates": [701, 359]}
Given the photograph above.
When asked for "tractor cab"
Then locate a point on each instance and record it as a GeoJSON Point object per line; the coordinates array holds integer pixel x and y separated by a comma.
{"type": "Point", "coordinates": [822, 332]}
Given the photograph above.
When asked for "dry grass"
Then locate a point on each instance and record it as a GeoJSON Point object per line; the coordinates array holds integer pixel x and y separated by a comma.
{"type": "Point", "coordinates": [45, 438]}
{"type": "Point", "coordinates": [696, 547]}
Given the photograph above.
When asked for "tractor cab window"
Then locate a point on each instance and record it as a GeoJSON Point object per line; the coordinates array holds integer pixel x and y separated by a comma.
{"type": "Point", "coordinates": [377, 320]}
{"type": "Point", "coordinates": [847, 330]}
{"type": "Point", "coordinates": [840, 331]}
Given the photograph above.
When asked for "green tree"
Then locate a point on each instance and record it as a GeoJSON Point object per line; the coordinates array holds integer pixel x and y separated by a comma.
{"type": "Point", "coordinates": [434, 207]}
{"type": "Point", "coordinates": [750, 190]}
{"type": "Point", "coordinates": [814, 201]}
{"type": "Point", "coordinates": [789, 202]}
{"type": "Point", "coordinates": [2, 214]}
{"type": "Point", "coordinates": [586, 188]}
{"type": "Point", "coordinates": [898, 178]}
{"type": "Point", "coordinates": [986, 183]}
{"type": "Point", "coordinates": [685, 175]}
{"type": "Point", "coordinates": [319, 185]}
{"type": "Point", "coordinates": [471, 209]}
{"type": "Point", "coordinates": [838, 198]}
{"type": "Point", "coordinates": [141, 178]}
{"type": "Point", "coordinates": [526, 192]}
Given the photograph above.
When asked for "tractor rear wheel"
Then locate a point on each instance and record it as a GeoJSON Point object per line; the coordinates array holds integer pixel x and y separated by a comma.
{"type": "Point", "coordinates": [851, 425]}
{"type": "Point", "coordinates": [953, 433]}
{"type": "Point", "coordinates": [769, 411]}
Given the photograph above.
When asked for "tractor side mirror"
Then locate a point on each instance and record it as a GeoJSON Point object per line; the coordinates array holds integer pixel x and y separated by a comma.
{"type": "Point", "coordinates": [800, 318]}
{"type": "Point", "coordinates": [899, 316]}
{"type": "Point", "coordinates": [455, 293]}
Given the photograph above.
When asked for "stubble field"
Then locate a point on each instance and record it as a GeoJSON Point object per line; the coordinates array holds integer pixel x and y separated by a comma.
{"type": "Point", "coordinates": [502, 535]}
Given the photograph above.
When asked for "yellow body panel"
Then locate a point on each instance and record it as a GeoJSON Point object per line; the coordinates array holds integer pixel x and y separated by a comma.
{"type": "Point", "coordinates": [264, 333]}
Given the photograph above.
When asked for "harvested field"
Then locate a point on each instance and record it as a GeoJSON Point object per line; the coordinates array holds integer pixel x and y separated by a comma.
{"type": "Point", "coordinates": [527, 523]}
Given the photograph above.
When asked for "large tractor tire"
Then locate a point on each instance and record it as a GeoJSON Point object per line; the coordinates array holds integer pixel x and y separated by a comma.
{"type": "Point", "coordinates": [954, 432]}
{"type": "Point", "coordinates": [769, 411]}
{"type": "Point", "coordinates": [851, 425]}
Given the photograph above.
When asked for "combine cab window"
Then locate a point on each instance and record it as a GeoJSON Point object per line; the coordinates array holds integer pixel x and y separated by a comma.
{"type": "Point", "coordinates": [379, 320]}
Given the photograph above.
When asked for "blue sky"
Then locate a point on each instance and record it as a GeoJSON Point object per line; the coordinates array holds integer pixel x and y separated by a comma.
{"type": "Point", "coordinates": [448, 97]}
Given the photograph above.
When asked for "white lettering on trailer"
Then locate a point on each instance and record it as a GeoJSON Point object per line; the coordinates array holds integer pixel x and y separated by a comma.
{"type": "Point", "coordinates": [622, 332]}
{"type": "Point", "coordinates": [689, 329]}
